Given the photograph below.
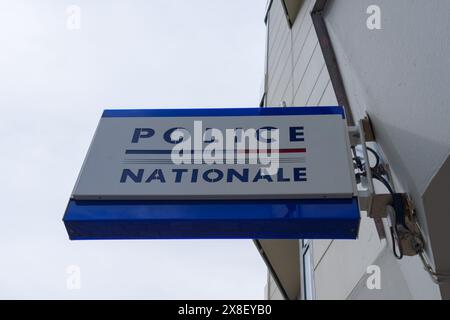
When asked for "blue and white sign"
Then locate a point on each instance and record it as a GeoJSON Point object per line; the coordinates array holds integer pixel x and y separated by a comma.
{"type": "Point", "coordinates": [216, 173]}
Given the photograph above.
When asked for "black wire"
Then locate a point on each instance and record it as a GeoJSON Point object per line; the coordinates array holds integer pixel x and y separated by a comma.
{"type": "Point", "coordinates": [398, 255]}
{"type": "Point", "coordinates": [377, 157]}
{"type": "Point", "coordinates": [358, 159]}
{"type": "Point", "coordinates": [393, 229]}
{"type": "Point", "coordinates": [384, 181]}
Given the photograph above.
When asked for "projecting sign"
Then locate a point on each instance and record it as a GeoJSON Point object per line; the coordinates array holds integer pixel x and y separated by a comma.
{"type": "Point", "coordinates": [216, 173]}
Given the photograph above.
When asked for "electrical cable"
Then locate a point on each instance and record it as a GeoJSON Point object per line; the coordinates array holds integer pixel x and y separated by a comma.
{"type": "Point", "coordinates": [377, 157]}
{"type": "Point", "coordinates": [384, 181]}
{"type": "Point", "coordinates": [399, 254]}
{"type": "Point", "coordinates": [358, 159]}
{"type": "Point", "coordinates": [436, 276]}
{"type": "Point", "coordinates": [394, 228]}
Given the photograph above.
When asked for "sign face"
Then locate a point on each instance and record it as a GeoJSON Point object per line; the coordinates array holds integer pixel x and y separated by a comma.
{"type": "Point", "coordinates": [210, 165]}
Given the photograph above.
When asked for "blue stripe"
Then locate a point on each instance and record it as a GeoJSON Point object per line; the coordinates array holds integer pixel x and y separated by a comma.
{"type": "Point", "coordinates": [221, 112]}
{"type": "Point", "coordinates": [243, 219]}
{"type": "Point", "coordinates": [129, 151]}
{"type": "Point", "coordinates": [162, 151]}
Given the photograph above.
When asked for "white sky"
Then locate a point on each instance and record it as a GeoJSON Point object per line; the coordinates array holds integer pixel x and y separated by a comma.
{"type": "Point", "coordinates": [54, 84]}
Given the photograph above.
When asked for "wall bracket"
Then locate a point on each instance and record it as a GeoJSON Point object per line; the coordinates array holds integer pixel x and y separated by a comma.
{"type": "Point", "coordinates": [397, 208]}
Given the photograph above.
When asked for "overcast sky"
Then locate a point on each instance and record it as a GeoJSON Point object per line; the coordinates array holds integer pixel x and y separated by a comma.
{"type": "Point", "coordinates": [54, 84]}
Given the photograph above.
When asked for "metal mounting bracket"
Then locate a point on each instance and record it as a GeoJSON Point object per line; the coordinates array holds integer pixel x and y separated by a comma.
{"type": "Point", "coordinates": [381, 205]}
{"type": "Point", "coordinates": [374, 204]}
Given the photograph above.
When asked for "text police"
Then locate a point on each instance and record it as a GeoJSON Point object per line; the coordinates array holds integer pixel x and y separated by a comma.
{"type": "Point", "coordinates": [245, 155]}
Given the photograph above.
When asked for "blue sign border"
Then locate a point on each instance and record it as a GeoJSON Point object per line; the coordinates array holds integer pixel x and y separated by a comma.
{"type": "Point", "coordinates": [222, 112]}
{"type": "Point", "coordinates": [211, 219]}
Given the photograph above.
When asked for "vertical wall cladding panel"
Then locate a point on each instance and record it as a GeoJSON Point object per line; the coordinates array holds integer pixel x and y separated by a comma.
{"type": "Point", "coordinates": [319, 249]}
{"type": "Point", "coordinates": [345, 262]}
{"type": "Point", "coordinates": [276, 20]}
{"type": "Point", "coordinates": [279, 58]}
{"type": "Point", "coordinates": [305, 57]}
{"type": "Point", "coordinates": [303, 17]}
{"type": "Point", "coordinates": [272, 290]}
{"type": "Point", "coordinates": [282, 89]}
{"type": "Point", "coordinates": [288, 95]}
{"type": "Point", "coordinates": [272, 286]}
{"type": "Point", "coordinates": [319, 88]}
{"type": "Point", "coordinates": [289, 48]}
{"type": "Point", "coordinates": [307, 60]}
{"type": "Point", "coordinates": [276, 295]}
{"type": "Point", "coordinates": [307, 65]}
{"type": "Point", "coordinates": [301, 28]}
{"type": "Point", "coordinates": [278, 34]}
{"type": "Point", "coordinates": [281, 75]}
{"type": "Point", "coordinates": [310, 77]}
{"type": "Point", "coordinates": [329, 97]}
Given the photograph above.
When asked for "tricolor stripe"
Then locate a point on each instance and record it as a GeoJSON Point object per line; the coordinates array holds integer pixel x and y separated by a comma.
{"type": "Point", "coordinates": [246, 151]}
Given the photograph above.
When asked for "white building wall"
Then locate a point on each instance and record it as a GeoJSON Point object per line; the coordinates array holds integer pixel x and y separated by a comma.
{"type": "Point", "coordinates": [298, 76]}
{"type": "Point", "coordinates": [399, 76]}
{"type": "Point", "coordinates": [272, 290]}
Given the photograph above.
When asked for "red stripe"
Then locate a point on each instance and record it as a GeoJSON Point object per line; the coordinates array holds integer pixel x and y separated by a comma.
{"type": "Point", "coordinates": [292, 150]}
{"type": "Point", "coordinates": [295, 150]}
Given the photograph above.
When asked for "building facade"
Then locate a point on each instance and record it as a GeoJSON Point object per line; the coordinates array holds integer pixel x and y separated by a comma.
{"type": "Point", "coordinates": [388, 60]}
